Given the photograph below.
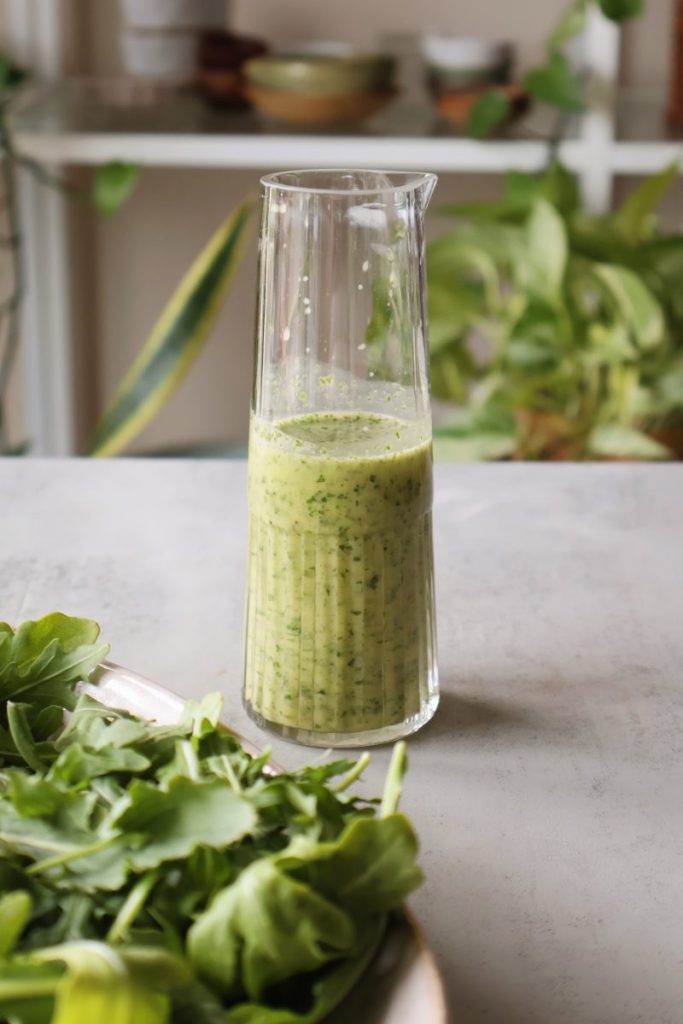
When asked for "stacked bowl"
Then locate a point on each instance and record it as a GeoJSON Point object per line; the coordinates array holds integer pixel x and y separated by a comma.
{"type": "Point", "coordinates": [460, 69]}
{"type": "Point", "coordinates": [320, 87]}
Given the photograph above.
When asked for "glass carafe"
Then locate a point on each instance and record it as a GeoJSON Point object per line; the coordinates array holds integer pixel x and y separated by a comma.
{"type": "Point", "coordinates": [340, 626]}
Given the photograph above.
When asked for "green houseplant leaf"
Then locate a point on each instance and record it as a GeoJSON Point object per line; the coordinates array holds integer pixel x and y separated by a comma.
{"type": "Point", "coordinates": [15, 911]}
{"type": "Point", "coordinates": [634, 302]}
{"type": "Point", "coordinates": [570, 23]}
{"type": "Point", "coordinates": [634, 220]}
{"type": "Point", "coordinates": [99, 985]}
{"type": "Point", "coordinates": [611, 440]}
{"type": "Point", "coordinates": [113, 184]}
{"type": "Point", "coordinates": [547, 250]}
{"type": "Point", "coordinates": [489, 111]}
{"type": "Point", "coordinates": [620, 10]}
{"type": "Point", "coordinates": [557, 84]}
{"type": "Point", "coordinates": [175, 341]}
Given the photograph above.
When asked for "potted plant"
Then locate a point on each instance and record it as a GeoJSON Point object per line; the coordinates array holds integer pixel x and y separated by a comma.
{"type": "Point", "coordinates": [175, 340]}
{"type": "Point", "coordinates": [558, 334]}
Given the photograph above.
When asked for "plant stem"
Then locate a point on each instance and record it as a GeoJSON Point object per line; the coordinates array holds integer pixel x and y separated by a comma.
{"type": "Point", "coordinates": [27, 988]}
{"type": "Point", "coordinates": [351, 776]}
{"type": "Point", "coordinates": [65, 858]}
{"type": "Point", "coordinates": [131, 907]}
{"type": "Point", "coordinates": [13, 243]}
{"type": "Point", "coordinates": [394, 780]}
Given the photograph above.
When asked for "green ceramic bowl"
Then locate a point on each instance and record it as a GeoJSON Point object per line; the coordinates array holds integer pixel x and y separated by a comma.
{"type": "Point", "coordinates": [317, 75]}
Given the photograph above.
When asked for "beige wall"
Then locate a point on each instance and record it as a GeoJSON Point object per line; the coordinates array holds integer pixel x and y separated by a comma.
{"type": "Point", "coordinates": [133, 262]}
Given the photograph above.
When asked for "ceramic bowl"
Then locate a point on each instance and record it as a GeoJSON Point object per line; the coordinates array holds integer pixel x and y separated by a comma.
{"type": "Point", "coordinates": [457, 62]}
{"type": "Point", "coordinates": [221, 58]}
{"type": "Point", "coordinates": [323, 75]}
{"type": "Point", "coordinates": [314, 48]}
{"type": "Point", "coordinates": [298, 108]}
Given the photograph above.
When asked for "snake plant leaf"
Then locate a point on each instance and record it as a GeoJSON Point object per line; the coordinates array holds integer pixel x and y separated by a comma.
{"type": "Point", "coordinates": [175, 341]}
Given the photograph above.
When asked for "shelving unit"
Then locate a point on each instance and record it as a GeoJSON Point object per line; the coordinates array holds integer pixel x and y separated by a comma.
{"type": "Point", "coordinates": [72, 123]}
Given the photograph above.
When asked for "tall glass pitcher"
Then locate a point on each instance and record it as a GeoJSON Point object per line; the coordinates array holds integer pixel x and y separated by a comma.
{"type": "Point", "coordinates": [340, 629]}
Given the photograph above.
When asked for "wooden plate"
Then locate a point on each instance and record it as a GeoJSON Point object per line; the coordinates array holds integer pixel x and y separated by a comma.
{"type": "Point", "coordinates": [402, 984]}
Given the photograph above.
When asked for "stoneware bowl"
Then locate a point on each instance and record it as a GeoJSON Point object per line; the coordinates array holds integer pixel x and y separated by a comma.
{"type": "Point", "coordinates": [299, 108]}
{"type": "Point", "coordinates": [323, 75]}
{"type": "Point", "coordinates": [402, 984]}
{"type": "Point", "coordinates": [457, 62]}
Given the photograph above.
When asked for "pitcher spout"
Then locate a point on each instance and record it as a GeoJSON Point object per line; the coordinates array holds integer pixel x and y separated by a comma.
{"type": "Point", "coordinates": [425, 189]}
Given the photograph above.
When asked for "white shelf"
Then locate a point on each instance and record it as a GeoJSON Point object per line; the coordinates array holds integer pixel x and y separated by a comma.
{"type": "Point", "coordinates": [272, 151]}
{"type": "Point", "coordinates": [73, 124]}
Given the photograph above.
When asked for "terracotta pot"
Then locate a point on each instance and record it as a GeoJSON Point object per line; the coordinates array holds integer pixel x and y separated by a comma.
{"type": "Point", "coordinates": [547, 436]}
{"type": "Point", "coordinates": [672, 437]}
{"type": "Point", "coordinates": [457, 106]}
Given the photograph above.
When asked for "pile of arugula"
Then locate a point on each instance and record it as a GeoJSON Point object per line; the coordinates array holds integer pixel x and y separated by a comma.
{"type": "Point", "coordinates": [161, 874]}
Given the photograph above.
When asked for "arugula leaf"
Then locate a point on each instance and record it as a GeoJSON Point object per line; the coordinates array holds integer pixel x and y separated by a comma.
{"type": "Point", "coordinates": [45, 658]}
{"type": "Point", "coordinates": [173, 822]}
{"type": "Point", "coordinates": [15, 912]}
{"type": "Point", "coordinates": [99, 985]}
{"type": "Point", "coordinates": [135, 859]}
{"type": "Point", "coordinates": [76, 764]}
{"type": "Point", "coordinates": [327, 988]}
{"type": "Point", "coordinates": [368, 870]}
{"type": "Point", "coordinates": [249, 938]}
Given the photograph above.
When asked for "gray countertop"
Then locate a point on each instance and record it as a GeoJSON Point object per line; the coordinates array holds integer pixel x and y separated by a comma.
{"type": "Point", "coordinates": [548, 789]}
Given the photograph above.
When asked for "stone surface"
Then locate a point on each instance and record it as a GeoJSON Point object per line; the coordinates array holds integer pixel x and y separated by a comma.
{"type": "Point", "coordinates": [547, 791]}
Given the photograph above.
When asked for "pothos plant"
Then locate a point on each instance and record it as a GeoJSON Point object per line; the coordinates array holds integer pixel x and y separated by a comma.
{"type": "Point", "coordinates": [557, 334]}
{"type": "Point", "coordinates": [177, 337]}
{"type": "Point", "coordinates": [555, 81]}
{"type": "Point", "coordinates": [554, 333]}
